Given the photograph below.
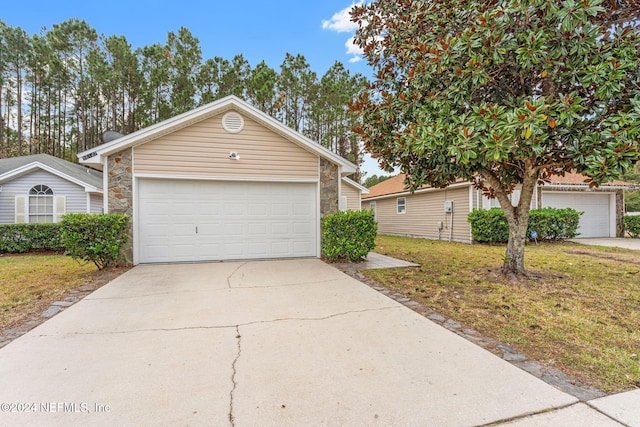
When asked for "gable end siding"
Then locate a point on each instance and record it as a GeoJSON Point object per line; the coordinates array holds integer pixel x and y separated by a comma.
{"type": "Point", "coordinates": [353, 197]}
{"type": "Point", "coordinates": [202, 149]}
{"type": "Point", "coordinates": [76, 198]}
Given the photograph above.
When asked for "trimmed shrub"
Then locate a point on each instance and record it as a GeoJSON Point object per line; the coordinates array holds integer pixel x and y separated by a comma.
{"type": "Point", "coordinates": [491, 226]}
{"type": "Point", "coordinates": [95, 238]}
{"type": "Point", "coordinates": [348, 235]}
{"type": "Point", "coordinates": [21, 238]}
{"type": "Point", "coordinates": [554, 224]}
{"type": "Point", "coordinates": [632, 225]}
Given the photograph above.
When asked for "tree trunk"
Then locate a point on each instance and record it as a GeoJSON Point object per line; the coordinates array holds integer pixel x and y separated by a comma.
{"type": "Point", "coordinates": [514, 258]}
{"type": "Point", "coordinates": [517, 217]}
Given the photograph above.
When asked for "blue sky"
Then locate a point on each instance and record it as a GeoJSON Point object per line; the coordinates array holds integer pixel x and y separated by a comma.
{"type": "Point", "coordinates": [257, 29]}
{"type": "Point", "coordinates": [260, 30]}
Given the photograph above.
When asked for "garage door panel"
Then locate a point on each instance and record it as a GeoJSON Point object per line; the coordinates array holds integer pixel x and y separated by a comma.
{"type": "Point", "coordinates": [235, 220]}
{"type": "Point", "coordinates": [596, 218]}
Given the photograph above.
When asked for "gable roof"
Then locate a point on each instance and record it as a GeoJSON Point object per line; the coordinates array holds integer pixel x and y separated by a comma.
{"type": "Point", "coordinates": [362, 189]}
{"type": "Point", "coordinates": [95, 155]}
{"type": "Point", "coordinates": [14, 167]}
{"type": "Point", "coordinates": [395, 185]}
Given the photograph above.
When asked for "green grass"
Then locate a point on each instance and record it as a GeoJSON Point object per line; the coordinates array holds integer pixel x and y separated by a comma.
{"type": "Point", "coordinates": [580, 312]}
{"type": "Point", "coordinates": [30, 283]}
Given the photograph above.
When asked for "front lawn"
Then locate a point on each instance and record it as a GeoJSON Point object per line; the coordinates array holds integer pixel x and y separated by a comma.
{"type": "Point", "coordinates": [581, 314]}
{"type": "Point", "coordinates": [30, 283]}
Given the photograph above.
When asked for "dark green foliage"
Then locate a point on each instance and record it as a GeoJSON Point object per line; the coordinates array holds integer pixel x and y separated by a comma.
{"type": "Point", "coordinates": [372, 180]}
{"type": "Point", "coordinates": [554, 224]}
{"type": "Point", "coordinates": [632, 225]}
{"type": "Point", "coordinates": [490, 226]}
{"type": "Point", "coordinates": [632, 200]}
{"type": "Point", "coordinates": [95, 238]}
{"type": "Point", "coordinates": [21, 238]}
{"type": "Point", "coordinates": [348, 235]}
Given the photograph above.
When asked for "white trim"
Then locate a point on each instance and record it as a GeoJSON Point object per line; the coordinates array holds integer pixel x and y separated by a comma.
{"type": "Point", "coordinates": [319, 216]}
{"type": "Point", "coordinates": [105, 185]}
{"type": "Point", "coordinates": [34, 165]}
{"type": "Point", "coordinates": [470, 209]}
{"type": "Point", "coordinates": [21, 203]}
{"type": "Point", "coordinates": [136, 207]}
{"type": "Point", "coordinates": [361, 188]}
{"type": "Point", "coordinates": [95, 155]}
{"type": "Point", "coordinates": [404, 205]}
{"type": "Point", "coordinates": [88, 203]}
{"type": "Point", "coordinates": [223, 178]}
{"type": "Point", "coordinates": [135, 244]}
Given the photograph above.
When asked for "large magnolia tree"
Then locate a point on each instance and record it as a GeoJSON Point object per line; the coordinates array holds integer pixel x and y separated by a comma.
{"type": "Point", "coordinates": [501, 93]}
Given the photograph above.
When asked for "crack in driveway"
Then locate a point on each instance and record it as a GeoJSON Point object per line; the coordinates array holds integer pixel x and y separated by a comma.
{"type": "Point", "coordinates": [256, 322]}
{"type": "Point", "coordinates": [234, 272]}
{"type": "Point", "coordinates": [233, 376]}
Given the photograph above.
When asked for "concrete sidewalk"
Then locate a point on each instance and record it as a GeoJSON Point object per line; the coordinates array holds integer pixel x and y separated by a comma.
{"type": "Point", "coordinates": [272, 343]}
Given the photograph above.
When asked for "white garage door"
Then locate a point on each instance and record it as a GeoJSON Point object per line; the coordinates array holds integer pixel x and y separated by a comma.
{"type": "Point", "coordinates": [596, 219]}
{"type": "Point", "coordinates": [207, 220]}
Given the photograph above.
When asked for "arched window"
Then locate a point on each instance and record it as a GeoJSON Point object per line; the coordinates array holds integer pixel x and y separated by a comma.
{"type": "Point", "coordinates": [40, 204]}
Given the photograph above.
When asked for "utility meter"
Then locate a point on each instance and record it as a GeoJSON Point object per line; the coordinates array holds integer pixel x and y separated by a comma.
{"type": "Point", "coordinates": [448, 206]}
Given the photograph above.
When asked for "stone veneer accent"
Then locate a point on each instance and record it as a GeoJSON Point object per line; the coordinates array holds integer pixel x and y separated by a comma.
{"type": "Point", "coordinates": [329, 179]}
{"type": "Point", "coordinates": [120, 192]}
{"type": "Point", "coordinates": [619, 213]}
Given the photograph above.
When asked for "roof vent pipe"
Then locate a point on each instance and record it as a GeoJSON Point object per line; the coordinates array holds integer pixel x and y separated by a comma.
{"type": "Point", "coordinates": [111, 135]}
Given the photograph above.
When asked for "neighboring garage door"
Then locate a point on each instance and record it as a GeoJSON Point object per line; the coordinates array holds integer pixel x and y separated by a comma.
{"type": "Point", "coordinates": [595, 221]}
{"type": "Point", "coordinates": [214, 220]}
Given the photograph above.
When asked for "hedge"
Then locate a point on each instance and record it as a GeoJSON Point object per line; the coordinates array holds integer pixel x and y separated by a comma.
{"type": "Point", "coordinates": [95, 238]}
{"type": "Point", "coordinates": [491, 226]}
{"type": "Point", "coordinates": [632, 225]}
{"type": "Point", "coordinates": [348, 235]}
{"type": "Point", "coordinates": [21, 238]}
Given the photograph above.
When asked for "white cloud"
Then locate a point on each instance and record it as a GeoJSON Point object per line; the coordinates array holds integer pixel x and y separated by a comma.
{"type": "Point", "coordinates": [341, 21]}
{"type": "Point", "coordinates": [353, 49]}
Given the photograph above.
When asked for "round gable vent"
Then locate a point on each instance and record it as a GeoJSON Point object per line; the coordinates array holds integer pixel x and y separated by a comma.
{"type": "Point", "coordinates": [232, 122]}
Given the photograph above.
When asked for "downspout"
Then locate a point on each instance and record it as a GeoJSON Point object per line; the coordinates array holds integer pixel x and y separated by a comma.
{"type": "Point", "coordinates": [451, 227]}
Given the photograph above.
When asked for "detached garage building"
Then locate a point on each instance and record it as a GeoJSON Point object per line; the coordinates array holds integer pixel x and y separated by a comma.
{"type": "Point", "coordinates": [221, 182]}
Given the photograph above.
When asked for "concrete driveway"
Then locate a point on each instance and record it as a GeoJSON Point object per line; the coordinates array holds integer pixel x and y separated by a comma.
{"type": "Point", "coordinates": [614, 242]}
{"type": "Point", "coordinates": [272, 343]}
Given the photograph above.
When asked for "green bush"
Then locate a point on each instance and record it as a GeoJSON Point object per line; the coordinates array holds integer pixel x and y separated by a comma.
{"type": "Point", "coordinates": [632, 225]}
{"type": "Point", "coordinates": [20, 238]}
{"type": "Point", "coordinates": [491, 226]}
{"type": "Point", "coordinates": [554, 224]}
{"type": "Point", "coordinates": [348, 235]}
{"type": "Point", "coordinates": [95, 238]}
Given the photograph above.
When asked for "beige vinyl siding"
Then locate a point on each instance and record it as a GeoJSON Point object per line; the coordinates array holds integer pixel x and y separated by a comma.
{"type": "Point", "coordinates": [423, 213]}
{"type": "Point", "coordinates": [202, 149]}
{"type": "Point", "coordinates": [353, 197]}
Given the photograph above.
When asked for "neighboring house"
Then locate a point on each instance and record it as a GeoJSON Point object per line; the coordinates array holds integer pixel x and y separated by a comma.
{"type": "Point", "coordinates": [351, 197]}
{"type": "Point", "coordinates": [222, 182]}
{"type": "Point", "coordinates": [441, 214]}
{"type": "Point", "coordinates": [41, 188]}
